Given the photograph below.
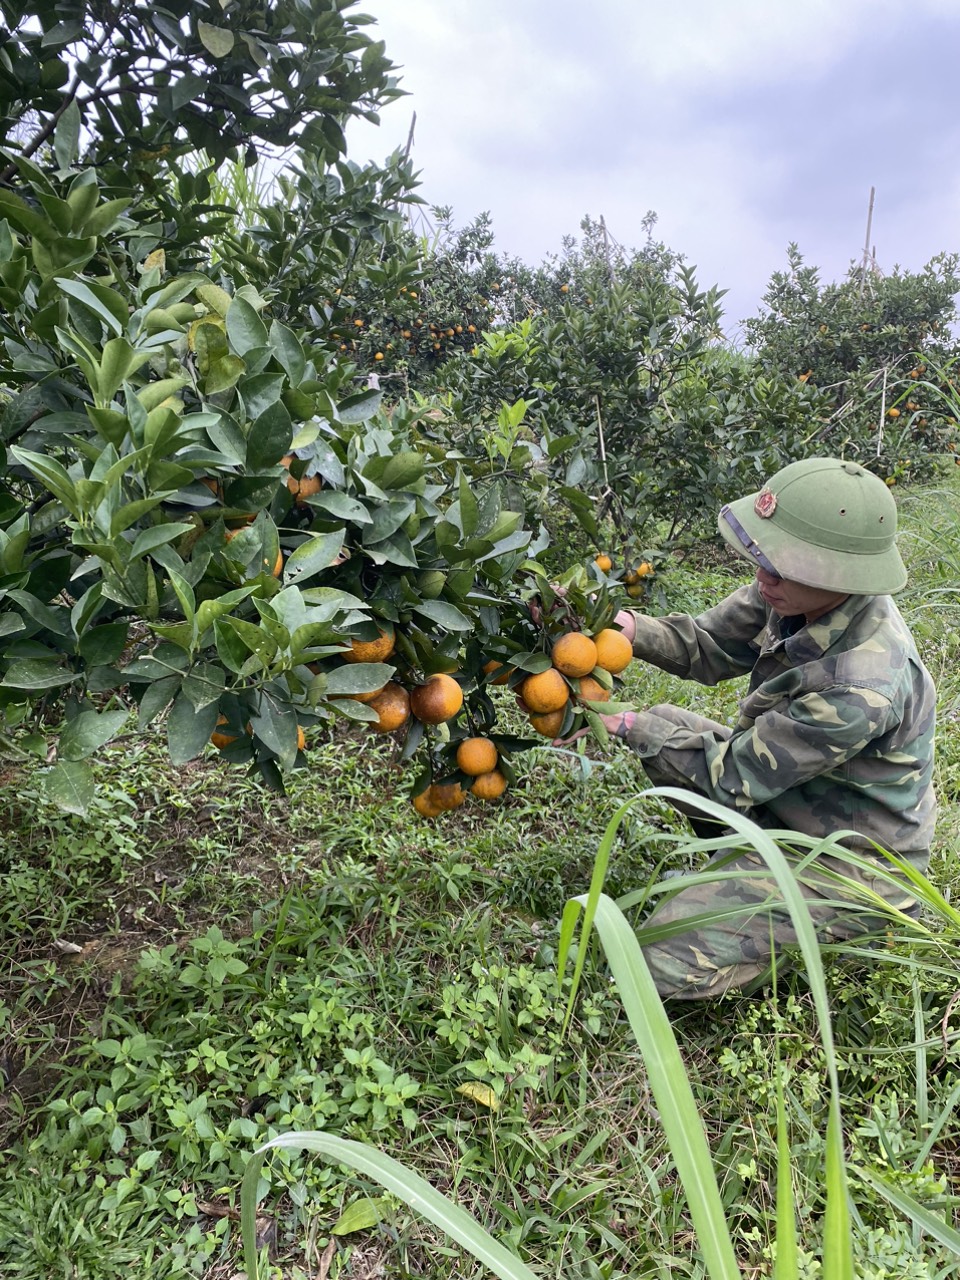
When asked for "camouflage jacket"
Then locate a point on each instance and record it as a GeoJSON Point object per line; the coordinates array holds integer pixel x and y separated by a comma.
{"type": "Point", "coordinates": [836, 731]}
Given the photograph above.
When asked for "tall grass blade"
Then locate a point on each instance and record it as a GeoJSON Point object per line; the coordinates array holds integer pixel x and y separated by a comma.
{"type": "Point", "coordinates": [572, 909]}
{"type": "Point", "coordinates": [787, 1260]}
{"type": "Point", "coordinates": [401, 1182]}
{"type": "Point", "coordinates": [670, 1085]}
{"type": "Point", "coordinates": [917, 1213]}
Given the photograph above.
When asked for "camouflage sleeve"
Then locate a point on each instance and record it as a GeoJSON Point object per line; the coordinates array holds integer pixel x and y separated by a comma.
{"type": "Point", "coordinates": [777, 752]}
{"type": "Point", "coordinates": [718, 645]}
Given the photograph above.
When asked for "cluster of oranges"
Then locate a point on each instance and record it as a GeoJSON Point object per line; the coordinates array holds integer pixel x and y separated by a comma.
{"type": "Point", "coordinates": [479, 759]}
{"type": "Point", "coordinates": [547, 696]}
{"type": "Point", "coordinates": [633, 577]}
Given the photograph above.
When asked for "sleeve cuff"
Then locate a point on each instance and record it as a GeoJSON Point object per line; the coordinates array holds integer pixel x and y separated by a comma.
{"type": "Point", "coordinates": [648, 733]}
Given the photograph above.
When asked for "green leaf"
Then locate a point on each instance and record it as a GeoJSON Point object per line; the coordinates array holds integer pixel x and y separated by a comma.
{"type": "Point", "coordinates": [66, 135]}
{"type": "Point", "coordinates": [289, 353]}
{"type": "Point", "coordinates": [89, 731]}
{"type": "Point", "coordinates": [189, 730]}
{"type": "Point", "coordinates": [51, 473]}
{"type": "Point", "coordinates": [359, 408]}
{"type": "Point", "coordinates": [358, 677]}
{"type": "Point", "coordinates": [341, 507]}
{"type": "Point", "coordinates": [245, 329]}
{"type": "Point", "coordinates": [396, 550]}
{"type": "Point", "coordinates": [217, 40]}
{"type": "Point", "coordinates": [223, 373]}
{"type": "Point", "coordinates": [36, 674]}
{"type": "Point", "coordinates": [359, 1216]}
{"type": "Point", "coordinates": [444, 615]}
{"type": "Point", "coordinates": [469, 510]}
{"type": "Point", "coordinates": [101, 646]}
{"type": "Point", "coordinates": [148, 540]}
{"type": "Point", "coordinates": [103, 302]}
{"type": "Point", "coordinates": [69, 784]}
{"type": "Point", "coordinates": [105, 217]}
{"type": "Point", "coordinates": [118, 362]}
{"type": "Point", "coordinates": [275, 724]}
{"type": "Point", "coordinates": [319, 552]}
{"type": "Point", "coordinates": [269, 437]}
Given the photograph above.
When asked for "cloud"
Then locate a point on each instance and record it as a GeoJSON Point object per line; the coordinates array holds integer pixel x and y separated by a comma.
{"type": "Point", "coordinates": [745, 125]}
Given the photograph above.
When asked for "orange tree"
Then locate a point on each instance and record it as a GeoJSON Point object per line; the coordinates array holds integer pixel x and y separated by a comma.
{"type": "Point", "coordinates": [205, 516]}
{"type": "Point", "coordinates": [878, 351]}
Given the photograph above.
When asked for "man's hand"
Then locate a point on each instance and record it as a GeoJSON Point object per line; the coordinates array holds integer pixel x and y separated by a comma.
{"type": "Point", "coordinates": [627, 623]}
{"type": "Point", "coordinates": [617, 725]}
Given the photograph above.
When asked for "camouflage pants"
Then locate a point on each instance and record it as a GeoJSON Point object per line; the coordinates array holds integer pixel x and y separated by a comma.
{"type": "Point", "coordinates": [752, 922]}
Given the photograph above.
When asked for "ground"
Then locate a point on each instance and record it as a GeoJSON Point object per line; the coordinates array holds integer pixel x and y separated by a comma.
{"type": "Point", "coordinates": [203, 963]}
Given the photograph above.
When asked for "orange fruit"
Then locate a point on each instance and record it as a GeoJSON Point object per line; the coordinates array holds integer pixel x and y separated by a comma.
{"type": "Point", "coordinates": [549, 724]}
{"type": "Point", "coordinates": [893, 413]}
{"type": "Point", "coordinates": [489, 785]}
{"type": "Point", "coordinates": [392, 705]}
{"type": "Point", "coordinates": [221, 740]}
{"type": "Point", "coordinates": [476, 756]}
{"type": "Point", "coordinates": [303, 488]}
{"type": "Point", "coordinates": [545, 692]}
{"type": "Point", "coordinates": [635, 590]}
{"type": "Point", "coordinates": [497, 664]}
{"type": "Point", "coordinates": [603, 562]}
{"type": "Point", "coordinates": [448, 795]}
{"type": "Point", "coordinates": [438, 700]}
{"type": "Point", "coordinates": [614, 650]}
{"type": "Point", "coordinates": [378, 355]}
{"type": "Point", "coordinates": [644, 569]}
{"type": "Point", "coordinates": [424, 804]}
{"type": "Point", "coordinates": [593, 691]}
{"type": "Point", "coordinates": [574, 654]}
{"type": "Point", "coordinates": [372, 650]}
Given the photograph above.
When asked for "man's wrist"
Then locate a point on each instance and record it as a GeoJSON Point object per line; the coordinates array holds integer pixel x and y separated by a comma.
{"type": "Point", "coordinates": [627, 721]}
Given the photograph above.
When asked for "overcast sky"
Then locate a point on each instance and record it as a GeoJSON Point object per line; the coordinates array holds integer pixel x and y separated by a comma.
{"type": "Point", "coordinates": [744, 124]}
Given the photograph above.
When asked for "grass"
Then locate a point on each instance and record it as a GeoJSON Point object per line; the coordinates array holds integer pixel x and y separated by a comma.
{"type": "Point", "coordinates": [203, 966]}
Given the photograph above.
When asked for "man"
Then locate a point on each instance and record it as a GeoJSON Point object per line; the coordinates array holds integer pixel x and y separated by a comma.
{"type": "Point", "coordinates": [835, 732]}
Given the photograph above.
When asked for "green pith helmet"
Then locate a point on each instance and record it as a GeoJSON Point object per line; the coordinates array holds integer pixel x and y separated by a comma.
{"type": "Point", "coordinates": [822, 522]}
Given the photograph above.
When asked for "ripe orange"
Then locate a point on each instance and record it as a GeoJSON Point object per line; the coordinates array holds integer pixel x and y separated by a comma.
{"type": "Point", "coordinates": [614, 650]}
{"type": "Point", "coordinates": [644, 569]}
{"type": "Point", "coordinates": [392, 705]}
{"type": "Point", "coordinates": [438, 700]}
{"type": "Point", "coordinates": [893, 413]}
{"type": "Point", "coordinates": [549, 725]}
{"type": "Point", "coordinates": [476, 756]}
{"type": "Point", "coordinates": [545, 692]}
{"type": "Point", "coordinates": [603, 562]}
{"type": "Point", "coordinates": [593, 691]}
{"type": "Point", "coordinates": [372, 650]}
{"type": "Point", "coordinates": [303, 488]}
{"type": "Point", "coordinates": [221, 740]}
{"type": "Point", "coordinates": [489, 785]}
{"type": "Point", "coordinates": [574, 654]}
{"type": "Point", "coordinates": [448, 795]}
{"type": "Point", "coordinates": [378, 355]}
{"type": "Point", "coordinates": [425, 805]}
{"type": "Point", "coordinates": [497, 664]}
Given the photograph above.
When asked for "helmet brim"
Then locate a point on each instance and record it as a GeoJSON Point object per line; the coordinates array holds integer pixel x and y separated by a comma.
{"type": "Point", "coordinates": [855, 573]}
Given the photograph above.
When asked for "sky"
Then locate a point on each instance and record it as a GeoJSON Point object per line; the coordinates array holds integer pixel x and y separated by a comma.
{"type": "Point", "coordinates": [745, 125]}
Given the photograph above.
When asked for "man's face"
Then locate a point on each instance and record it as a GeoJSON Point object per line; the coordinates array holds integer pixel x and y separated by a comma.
{"type": "Point", "coordinates": [790, 598]}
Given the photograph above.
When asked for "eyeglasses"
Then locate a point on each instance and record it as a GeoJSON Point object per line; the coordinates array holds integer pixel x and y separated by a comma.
{"type": "Point", "coordinates": [748, 544]}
